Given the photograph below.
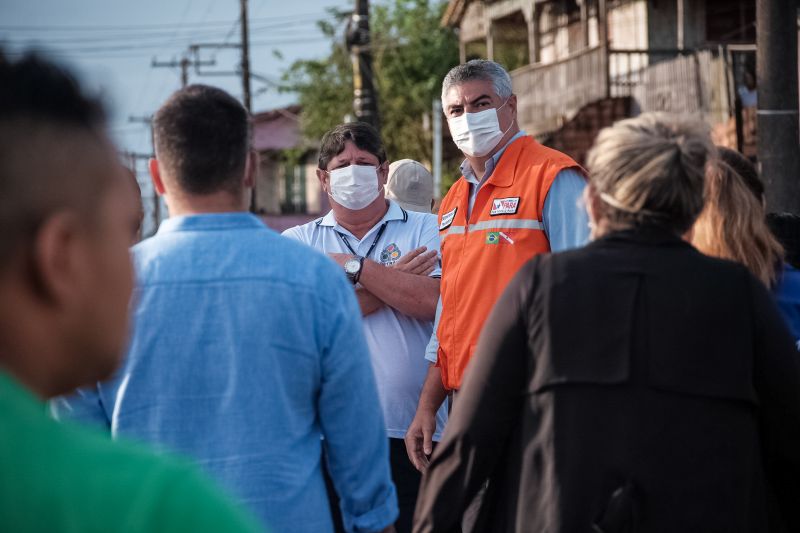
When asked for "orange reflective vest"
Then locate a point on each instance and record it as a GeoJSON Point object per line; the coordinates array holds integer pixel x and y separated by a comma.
{"type": "Point", "coordinates": [482, 254]}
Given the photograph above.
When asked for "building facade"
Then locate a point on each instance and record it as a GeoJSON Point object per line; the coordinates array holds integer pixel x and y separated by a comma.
{"type": "Point", "coordinates": [579, 65]}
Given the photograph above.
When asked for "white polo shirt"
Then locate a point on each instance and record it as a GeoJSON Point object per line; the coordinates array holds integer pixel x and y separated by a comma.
{"type": "Point", "coordinates": [396, 341]}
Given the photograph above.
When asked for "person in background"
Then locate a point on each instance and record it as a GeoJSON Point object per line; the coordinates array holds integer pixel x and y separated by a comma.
{"type": "Point", "coordinates": [391, 258]}
{"type": "Point", "coordinates": [786, 228]}
{"type": "Point", "coordinates": [733, 223]}
{"type": "Point", "coordinates": [65, 285]}
{"type": "Point", "coordinates": [634, 384]}
{"type": "Point", "coordinates": [410, 185]}
{"type": "Point", "coordinates": [516, 199]}
{"type": "Point", "coordinates": [247, 347]}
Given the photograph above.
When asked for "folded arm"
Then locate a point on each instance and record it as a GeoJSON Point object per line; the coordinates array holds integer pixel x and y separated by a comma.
{"type": "Point", "coordinates": [398, 287]}
{"type": "Point", "coordinates": [419, 262]}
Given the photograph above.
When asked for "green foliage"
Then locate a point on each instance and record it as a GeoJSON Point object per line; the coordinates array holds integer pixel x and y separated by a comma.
{"type": "Point", "coordinates": [324, 86]}
{"type": "Point", "coordinates": [411, 55]}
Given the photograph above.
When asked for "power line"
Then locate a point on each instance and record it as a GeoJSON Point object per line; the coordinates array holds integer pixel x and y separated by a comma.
{"type": "Point", "coordinates": [182, 41]}
{"type": "Point", "coordinates": [184, 65]}
{"type": "Point", "coordinates": [169, 36]}
{"type": "Point", "coordinates": [123, 52]}
{"type": "Point", "coordinates": [50, 28]}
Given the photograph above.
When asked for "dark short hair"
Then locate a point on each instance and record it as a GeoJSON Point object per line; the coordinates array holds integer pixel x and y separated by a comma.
{"type": "Point", "coordinates": [41, 103]}
{"type": "Point", "coordinates": [364, 136]}
{"type": "Point", "coordinates": [202, 137]}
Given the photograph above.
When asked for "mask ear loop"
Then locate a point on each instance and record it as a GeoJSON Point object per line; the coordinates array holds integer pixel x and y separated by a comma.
{"type": "Point", "coordinates": [513, 120]}
{"type": "Point", "coordinates": [383, 185]}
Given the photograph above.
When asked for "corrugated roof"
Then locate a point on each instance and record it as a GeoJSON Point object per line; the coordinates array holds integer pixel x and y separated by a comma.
{"type": "Point", "coordinates": [277, 129]}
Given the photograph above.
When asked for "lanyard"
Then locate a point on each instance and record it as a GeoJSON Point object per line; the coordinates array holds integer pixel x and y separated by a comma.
{"type": "Point", "coordinates": [371, 248]}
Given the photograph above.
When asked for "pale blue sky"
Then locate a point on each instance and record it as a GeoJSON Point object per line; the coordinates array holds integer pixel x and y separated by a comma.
{"type": "Point", "coordinates": [111, 43]}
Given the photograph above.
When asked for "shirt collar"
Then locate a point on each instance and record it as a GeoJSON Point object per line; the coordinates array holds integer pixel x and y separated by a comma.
{"type": "Point", "coordinates": [395, 212]}
{"type": "Point", "coordinates": [469, 174]}
{"type": "Point", "coordinates": [210, 222]}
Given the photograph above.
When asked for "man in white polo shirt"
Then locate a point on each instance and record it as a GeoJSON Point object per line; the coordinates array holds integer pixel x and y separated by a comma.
{"type": "Point", "coordinates": [391, 256]}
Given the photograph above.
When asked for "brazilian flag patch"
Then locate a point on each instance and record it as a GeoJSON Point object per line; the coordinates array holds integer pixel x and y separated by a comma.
{"type": "Point", "coordinates": [492, 237]}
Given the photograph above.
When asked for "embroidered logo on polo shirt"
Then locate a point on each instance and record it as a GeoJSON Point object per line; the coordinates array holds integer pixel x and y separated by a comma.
{"type": "Point", "coordinates": [447, 219]}
{"type": "Point", "coordinates": [390, 255]}
{"type": "Point", "coordinates": [504, 206]}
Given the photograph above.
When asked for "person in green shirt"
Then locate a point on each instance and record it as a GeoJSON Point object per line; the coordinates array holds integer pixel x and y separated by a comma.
{"type": "Point", "coordinates": [67, 216]}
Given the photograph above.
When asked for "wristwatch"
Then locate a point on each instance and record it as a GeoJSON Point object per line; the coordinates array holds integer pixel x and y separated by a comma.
{"type": "Point", "coordinates": [352, 267]}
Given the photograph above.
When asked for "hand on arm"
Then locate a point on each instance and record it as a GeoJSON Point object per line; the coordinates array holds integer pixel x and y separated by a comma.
{"type": "Point", "coordinates": [418, 263]}
{"type": "Point", "coordinates": [419, 437]}
{"type": "Point", "coordinates": [411, 294]}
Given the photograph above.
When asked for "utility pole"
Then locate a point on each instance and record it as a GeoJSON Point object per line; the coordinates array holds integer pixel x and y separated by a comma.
{"type": "Point", "coordinates": [436, 114]}
{"type": "Point", "coordinates": [776, 73]}
{"type": "Point", "coordinates": [246, 97]}
{"type": "Point", "coordinates": [365, 103]}
{"type": "Point", "coordinates": [184, 65]}
{"type": "Point", "coordinates": [245, 58]}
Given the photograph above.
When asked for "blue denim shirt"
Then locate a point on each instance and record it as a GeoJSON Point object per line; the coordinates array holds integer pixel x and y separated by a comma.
{"type": "Point", "coordinates": [247, 349]}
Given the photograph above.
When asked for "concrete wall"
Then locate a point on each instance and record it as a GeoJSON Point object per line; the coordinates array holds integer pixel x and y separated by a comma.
{"type": "Point", "coordinates": [267, 192]}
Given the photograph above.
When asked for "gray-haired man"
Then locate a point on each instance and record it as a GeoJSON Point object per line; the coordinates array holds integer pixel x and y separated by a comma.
{"type": "Point", "coordinates": [516, 199]}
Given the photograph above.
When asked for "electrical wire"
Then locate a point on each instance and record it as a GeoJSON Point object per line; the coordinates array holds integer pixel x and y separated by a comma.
{"type": "Point", "coordinates": [126, 27]}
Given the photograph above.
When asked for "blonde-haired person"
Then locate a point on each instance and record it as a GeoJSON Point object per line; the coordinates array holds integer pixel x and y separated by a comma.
{"type": "Point", "coordinates": [733, 223]}
{"type": "Point", "coordinates": [634, 384]}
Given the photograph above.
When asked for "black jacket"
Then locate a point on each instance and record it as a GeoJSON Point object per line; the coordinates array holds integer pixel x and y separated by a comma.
{"type": "Point", "coordinates": [633, 385]}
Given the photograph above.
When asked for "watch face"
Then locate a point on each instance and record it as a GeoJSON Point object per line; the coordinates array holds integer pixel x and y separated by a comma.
{"type": "Point", "coordinates": [352, 266]}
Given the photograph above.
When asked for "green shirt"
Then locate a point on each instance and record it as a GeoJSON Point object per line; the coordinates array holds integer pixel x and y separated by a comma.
{"type": "Point", "coordinates": [59, 478]}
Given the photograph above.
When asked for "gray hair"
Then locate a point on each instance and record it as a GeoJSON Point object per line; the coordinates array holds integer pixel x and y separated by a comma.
{"type": "Point", "coordinates": [479, 69]}
{"type": "Point", "coordinates": [651, 169]}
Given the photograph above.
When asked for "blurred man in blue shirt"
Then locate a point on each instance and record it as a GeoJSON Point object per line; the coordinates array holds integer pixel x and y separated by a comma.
{"type": "Point", "coordinates": [247, 347]}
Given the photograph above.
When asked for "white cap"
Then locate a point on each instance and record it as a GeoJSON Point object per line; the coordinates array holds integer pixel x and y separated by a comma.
{"type": "Point", "coordinates": [410, 185]}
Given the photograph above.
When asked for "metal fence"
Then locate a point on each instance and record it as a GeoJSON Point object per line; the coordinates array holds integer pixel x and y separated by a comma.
{"type": "Point", "coordinates": [687, 82]}
{"type": "Point", "coordinates": [549, 95]}
{"type": "Point", "coordinates": [680, 81]}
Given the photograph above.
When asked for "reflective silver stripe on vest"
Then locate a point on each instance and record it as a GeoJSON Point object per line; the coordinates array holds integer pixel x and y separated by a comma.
{"type": "Point", "coordinates": [455, 230]}
{"type": "Point", "coordinates": [510, 223]}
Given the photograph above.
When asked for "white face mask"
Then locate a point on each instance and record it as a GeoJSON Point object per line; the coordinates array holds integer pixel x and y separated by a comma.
{"type": "Point", "coordinates": [355, 186]}
{"type": "Point", "coordinates": [477, 134]}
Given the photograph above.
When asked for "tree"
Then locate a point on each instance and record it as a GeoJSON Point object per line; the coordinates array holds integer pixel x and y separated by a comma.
{"type": "Point", "coordinates": [324, 86]}
{"type": "Point", "coordinates": [412, 52]}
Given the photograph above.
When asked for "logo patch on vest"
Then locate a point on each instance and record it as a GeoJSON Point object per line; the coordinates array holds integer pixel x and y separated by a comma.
{"type": "Point", "coordinates": [499, 237]}
{"type": "Point", "coordinates": [504, 206]}
{"type": "Point", "coordinates": [447, 219]}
